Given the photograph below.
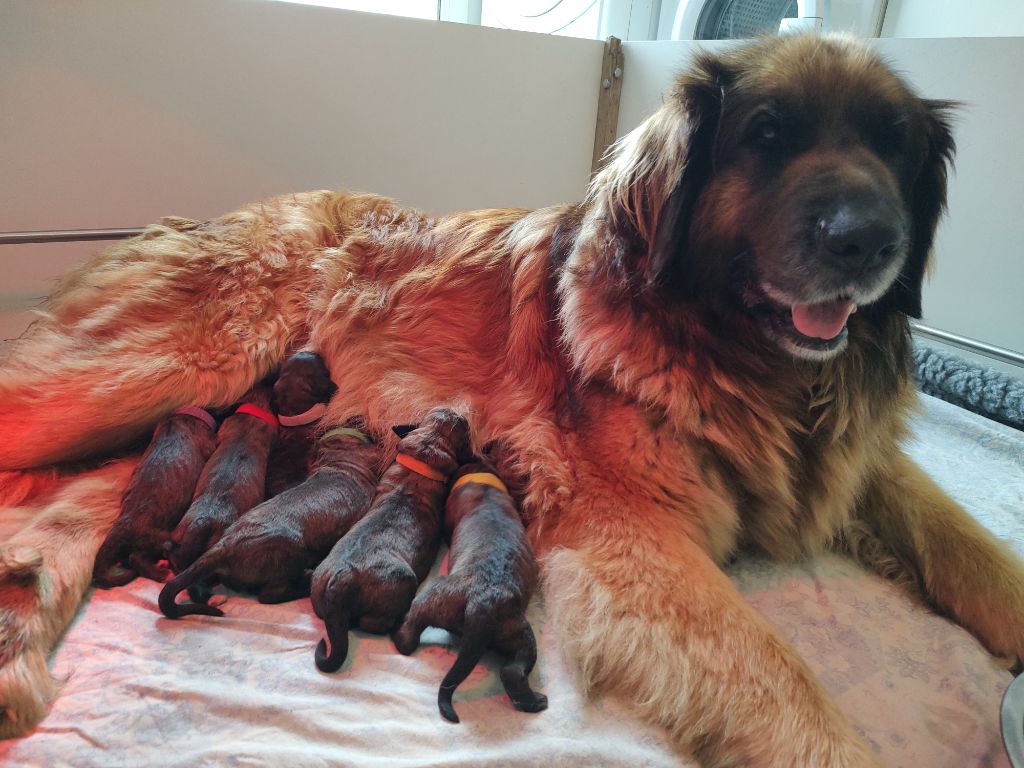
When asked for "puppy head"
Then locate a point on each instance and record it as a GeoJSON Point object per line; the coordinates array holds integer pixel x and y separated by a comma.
{"type": "Point", "coordinates": [793, 179]}
{"type": "Point", "coordinates": [441, 440]}
{"type": "Point", "coordinates": [303, 382]}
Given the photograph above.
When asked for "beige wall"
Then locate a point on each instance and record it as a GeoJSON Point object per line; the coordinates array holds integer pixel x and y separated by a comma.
{"type": "Point", "coordinates": [116, 112]}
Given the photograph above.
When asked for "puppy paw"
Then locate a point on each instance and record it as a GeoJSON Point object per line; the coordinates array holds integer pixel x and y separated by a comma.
{"type": "Point", "coordinates": [20, 564]}
{"type": "Point", "coordinates": [537, 703]}
{"type": "Point", "coordinates": [406, 639]}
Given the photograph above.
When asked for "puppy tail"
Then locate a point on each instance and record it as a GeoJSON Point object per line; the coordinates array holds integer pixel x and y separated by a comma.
{"type": "Point", "coordinates": [200, 570]}
{"type": "Point", "coordinates": [477, 632]}
{"type": "Point", "coordinates": [336, 622]}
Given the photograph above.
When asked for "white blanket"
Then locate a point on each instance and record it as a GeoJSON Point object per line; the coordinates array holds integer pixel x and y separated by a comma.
{"type": "Point", "coordinates": [243, 690]}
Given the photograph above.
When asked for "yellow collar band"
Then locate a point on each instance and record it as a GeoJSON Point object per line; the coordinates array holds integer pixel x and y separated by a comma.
{"type": "Point", "coordinates": [483, 478]}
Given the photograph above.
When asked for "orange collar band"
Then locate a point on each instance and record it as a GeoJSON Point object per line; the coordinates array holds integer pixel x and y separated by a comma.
{"type": "Point", "coordinates": [483, 478]}
{"type": "Point", "coordinates": [259, 413]}
{"type": "Point", "coordinates": [419, 467]}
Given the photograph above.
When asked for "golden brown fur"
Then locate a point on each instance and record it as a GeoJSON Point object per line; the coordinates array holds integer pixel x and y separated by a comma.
{"type": "Point", "coordinates": [653, 427]}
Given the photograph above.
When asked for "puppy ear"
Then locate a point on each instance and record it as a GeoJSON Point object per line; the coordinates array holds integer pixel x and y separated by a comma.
{"type": "Point", "coordinates": [927, 204]}
{"type": "Point", "coordinates": [403, 429]}
{"type": "Point", "coordinates": [655, 173]}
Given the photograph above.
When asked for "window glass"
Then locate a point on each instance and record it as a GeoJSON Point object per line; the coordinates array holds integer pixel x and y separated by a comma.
{"type": "Point", "coordinates": [574, 18]}
{"type": "Point", "coordinates": [417, 9]}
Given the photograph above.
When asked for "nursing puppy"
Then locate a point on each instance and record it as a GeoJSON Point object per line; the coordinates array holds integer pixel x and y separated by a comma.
{"type": "Point", "coordinates": [157, 496]}
{"type": "Point", "coordinates": [272, 549]}
{"type": "Point", "coordinates": [372, 574]}
{"type": "Point", "coordinates": [233, 480]}
{"type": "Point", "coordinates": [301, 393]}
{"type": "Point", "coordinates": [492, 574]}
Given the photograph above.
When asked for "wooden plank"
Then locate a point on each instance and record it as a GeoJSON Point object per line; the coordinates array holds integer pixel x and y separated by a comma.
{"type": "Point", "coordinates": [612, 70]}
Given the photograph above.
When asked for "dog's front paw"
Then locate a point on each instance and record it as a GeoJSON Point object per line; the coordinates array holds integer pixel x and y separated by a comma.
{"type": "Point", "coordinates": [26, 687]}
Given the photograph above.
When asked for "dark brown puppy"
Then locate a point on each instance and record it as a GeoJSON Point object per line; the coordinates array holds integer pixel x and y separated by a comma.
{"type": "Point", "coordinates": [157, 495]}
{"type": "Point", "coordinates": [492, 575]}
{"type": "Point", "coordinates": [372, 574]}
{"type": "Point", "coordinates": [301, 393]}
{"type": "Point", "coordinates": [273, 549]}
{"type": "Point", "coordinates": [233, 480]}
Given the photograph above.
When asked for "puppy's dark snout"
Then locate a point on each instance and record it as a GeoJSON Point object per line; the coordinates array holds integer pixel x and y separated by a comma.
{"type": "Point", "coordinates": [858, 235]}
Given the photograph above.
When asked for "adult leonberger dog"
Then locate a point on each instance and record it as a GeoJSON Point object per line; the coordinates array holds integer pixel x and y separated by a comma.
{"type": "Point", "coordinates": [710, 352]}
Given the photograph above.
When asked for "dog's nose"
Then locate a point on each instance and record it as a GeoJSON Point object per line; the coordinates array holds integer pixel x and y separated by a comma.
{"type": "Point", "coordinates": [859, 236]}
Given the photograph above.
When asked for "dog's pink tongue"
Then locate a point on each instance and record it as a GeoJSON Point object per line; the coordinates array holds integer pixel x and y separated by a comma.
{"type": "Point", "coordinates": [823, 321]}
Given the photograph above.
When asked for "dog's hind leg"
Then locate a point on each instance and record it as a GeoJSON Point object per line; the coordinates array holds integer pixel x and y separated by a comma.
{"type": "Point", "coordinates": [18, 487]}
{"type": "Point", "coordinates": [153, 323]}
{"type": "Point", "coordinates": [478, 630]}
{"type": "Point", "coordinates": [521, 648]}
{"type": "Point", "coordinates": [438, 605]}
{"type": "Point", "coordinates": [65, 396]}
{"type": "Point", "coordinates": [37, 601]}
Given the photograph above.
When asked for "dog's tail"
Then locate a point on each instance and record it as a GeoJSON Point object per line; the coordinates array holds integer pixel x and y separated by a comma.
{"type": "Point", "coordinates": [202, 569]}
{"type": "Point", "coordinates": [336, 623]}
{"type": "Point", "coordinates": [478, 629]}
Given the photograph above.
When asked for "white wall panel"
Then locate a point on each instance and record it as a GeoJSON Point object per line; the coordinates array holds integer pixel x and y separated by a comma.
{"type": "Point", "coordinates": [116, 112]}
{"type": "Point", "coordinates": [953, 18]}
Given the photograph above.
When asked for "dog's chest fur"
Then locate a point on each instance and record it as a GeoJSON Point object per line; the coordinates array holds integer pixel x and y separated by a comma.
{"type": "Point", "coordinates": [773, 456]}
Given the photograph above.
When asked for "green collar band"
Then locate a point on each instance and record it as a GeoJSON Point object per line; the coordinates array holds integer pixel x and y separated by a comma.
{"type": "Point", "coordinates": [344, 431]}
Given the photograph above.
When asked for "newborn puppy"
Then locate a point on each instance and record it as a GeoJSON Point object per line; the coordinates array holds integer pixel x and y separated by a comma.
{"type": "Point", "coordinates": [301, 393]}
{"type": "Point", "coordinates": [157, 495]}
{"type": "Point", "coordinates": [491, 575]}
{"type": "Point", "coordinates": [273, 548]}
{"type": "Point", "coordinates": [233, 480]}
{"type": "Point", "coordinates": [372, 574]}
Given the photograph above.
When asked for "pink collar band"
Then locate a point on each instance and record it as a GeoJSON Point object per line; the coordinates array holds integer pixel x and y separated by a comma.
{"type": "Point", "coordinates": [301, 419]}
{"type": "Point", "coordinates": [198, 413]}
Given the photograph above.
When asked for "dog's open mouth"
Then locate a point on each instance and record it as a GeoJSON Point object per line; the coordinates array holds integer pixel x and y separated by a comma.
{"type": "Point", "coordinates": [817, 329]}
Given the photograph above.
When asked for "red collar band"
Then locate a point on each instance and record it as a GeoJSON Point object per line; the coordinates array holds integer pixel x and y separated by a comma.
{"type": "Point", "coordinates": [259, 413]}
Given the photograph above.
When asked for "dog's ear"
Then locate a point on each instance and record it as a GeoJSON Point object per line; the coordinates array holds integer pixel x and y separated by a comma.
{"type": "Point", "coordinates": [655, 173]}
{"type": "Point", "coordinates": [927, 204]}
{"type": "Point", "coordinates": [403, 429]}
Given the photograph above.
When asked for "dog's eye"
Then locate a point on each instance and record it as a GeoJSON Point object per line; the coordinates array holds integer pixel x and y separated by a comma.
{"type": "Point", "coordinates": [765, 131]}
{"type": "Point", "coordinates": [890, 135]}
{"type": "Point", "coordinates": [896, 134]}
